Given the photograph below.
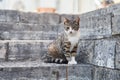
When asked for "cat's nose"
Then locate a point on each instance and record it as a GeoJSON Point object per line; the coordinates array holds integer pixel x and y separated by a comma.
{"type": "Point", "coordinates": [70, 32]}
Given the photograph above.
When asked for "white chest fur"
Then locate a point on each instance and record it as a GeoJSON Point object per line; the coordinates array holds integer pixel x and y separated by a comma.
{"type": "Point", "coordinates": [73, 40]}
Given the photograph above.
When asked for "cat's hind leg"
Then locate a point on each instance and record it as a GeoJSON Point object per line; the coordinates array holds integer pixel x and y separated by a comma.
{"type": "Point", "coordinates": [55, 53]}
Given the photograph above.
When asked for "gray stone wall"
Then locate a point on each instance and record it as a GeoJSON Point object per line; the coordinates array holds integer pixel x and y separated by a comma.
{"type": "Point", "coordinates": [24, 38]}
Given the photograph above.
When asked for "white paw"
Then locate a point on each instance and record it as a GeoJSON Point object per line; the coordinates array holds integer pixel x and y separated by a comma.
{"type": "Point", "coordinates": [72, 62]}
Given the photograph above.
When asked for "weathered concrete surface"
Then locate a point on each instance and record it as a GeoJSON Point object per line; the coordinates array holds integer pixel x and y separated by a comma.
{"type": "Point", "coordinates": [3, 51]}
{"type": "Point", "coordinates": [11, 26]}
{"type": "Point", "coordinates": [106, 74]}
{"type": "Point", "coordinates": [98, 52]}
{"type": "Point", "coordinates": [21, 35]}
{"type": "Point", "coordinates": [23, 31]}
{"type": "Point", "coordinates": [113, 10]}
{"type": "Point", "coordinates": [104, 53]}
{"type": "Point", "coordinates": [40, 71]}
{"type": "Point", "coordinates": [80, 72]}
{"type": "Point", "coordinates": [2, 16]}
{"type": "Point", "coordinates": [39, 18]}
{"type": "Point", "coordinates": [28, 35]}
{"type": "Point", "coordinates": [45, 71]}
{"type": "Point", "coordinates": [9, 16]}
{"type": "Point", "coordinates": [116, 24]}
{"type": "Point", "coordinates": [16, 16]}
{"type": "Point", "coordinates": [117, 59]}
{"type": "Point", "coordinates": [12, 16]}
{"type": "Point", "coordinates": [85, 51]}
{"type": "Point", "coordinates": [26, 50]}
{"type": "Point", "coordinates": [95, 27]}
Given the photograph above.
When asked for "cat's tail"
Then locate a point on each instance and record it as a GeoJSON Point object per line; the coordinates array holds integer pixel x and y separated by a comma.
{"type": "Point", "coordinates": [49, 59]}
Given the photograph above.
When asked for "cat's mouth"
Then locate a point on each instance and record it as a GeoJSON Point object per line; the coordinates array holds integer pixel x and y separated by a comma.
{"type": "Point", "coordinates": [71, 33]}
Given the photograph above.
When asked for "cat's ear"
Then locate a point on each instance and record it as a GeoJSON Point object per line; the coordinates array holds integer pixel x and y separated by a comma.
{"type": "Point", "coordinates": [77, 20]}
{"type": "Point", "coordinates": [66, 20]}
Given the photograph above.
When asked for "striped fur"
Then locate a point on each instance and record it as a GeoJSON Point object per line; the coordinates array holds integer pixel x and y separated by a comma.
{"type": "Point", "coordinates": [62, 49]}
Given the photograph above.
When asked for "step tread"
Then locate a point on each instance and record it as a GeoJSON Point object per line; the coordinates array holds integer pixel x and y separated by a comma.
{"type": "Point", "coordinates": [29, 64]}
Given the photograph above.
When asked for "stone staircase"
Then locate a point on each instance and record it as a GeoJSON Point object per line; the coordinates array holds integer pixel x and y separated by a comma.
{"type": "Point", "coordinates": [24, 38]}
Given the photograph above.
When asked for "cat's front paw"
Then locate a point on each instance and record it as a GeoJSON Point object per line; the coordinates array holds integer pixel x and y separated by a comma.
{"type": "Point", "coordinates": [72, 62]}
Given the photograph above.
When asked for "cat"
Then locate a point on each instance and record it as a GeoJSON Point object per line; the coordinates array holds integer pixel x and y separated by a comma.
{"type": "Point", "coordinates": [64, 49]}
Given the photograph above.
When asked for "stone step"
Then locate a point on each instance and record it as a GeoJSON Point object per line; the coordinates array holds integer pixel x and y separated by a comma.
{"type": "Point", "coordinates": [89, 51]}
{"type": "Point", "coordinates": [35, 70]}
{"type": "Point", "coordinates": [28, 17]}
{"type": "Point", "coordinates": [28, 35]}
{"type": "Point", "coordinates": [18, 50]}
{"type": "Point", "coordinates": [41, 71]}
{"type": "Point", "coordinates": [23, 31]}
{"type": "Point", "coordinates": [11, 26]}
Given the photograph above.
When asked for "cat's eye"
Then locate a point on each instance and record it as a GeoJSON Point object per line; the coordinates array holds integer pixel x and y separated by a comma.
{"type": "Point", "coordinates": [75, 27]}
{"type": "Point", "coordinates": [67, 28]}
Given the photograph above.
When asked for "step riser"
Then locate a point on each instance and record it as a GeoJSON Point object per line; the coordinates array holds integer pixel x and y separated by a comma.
{"type": "Point", "coordinates": [11, 26]}
{"type": "Point", "coordinates": [59, 72]}
{"type": "Point", "coordinates": [48, 73]}
{"type": "Point", "coordinates": [16, 16]}
{"type": "Point", "coordinates": [28, 35]}
{"type": "Point", "coordinates": [18, 51]}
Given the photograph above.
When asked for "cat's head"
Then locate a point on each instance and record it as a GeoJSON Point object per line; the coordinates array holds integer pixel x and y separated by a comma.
{"type": "Point", "coordinates": [71, 27]}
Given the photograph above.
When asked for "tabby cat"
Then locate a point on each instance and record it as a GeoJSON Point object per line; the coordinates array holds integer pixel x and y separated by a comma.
{"type": "Point", "coordinates": [64, 49]}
